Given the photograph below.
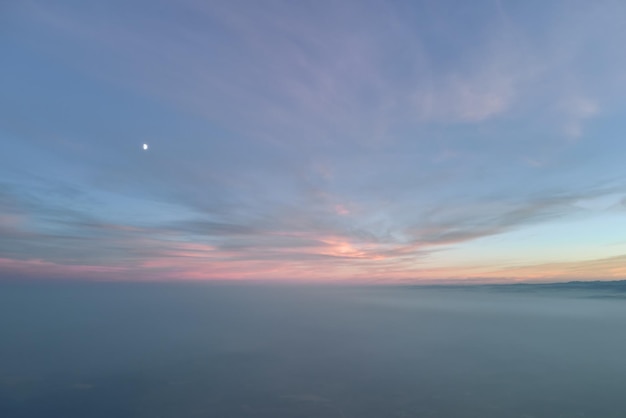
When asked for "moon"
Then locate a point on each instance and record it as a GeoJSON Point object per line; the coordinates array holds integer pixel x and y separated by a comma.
{"type": "Point", "coordinates": [145, 147]}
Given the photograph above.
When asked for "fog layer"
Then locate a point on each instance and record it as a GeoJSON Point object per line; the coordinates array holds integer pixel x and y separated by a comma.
{"type": "Point", "coordinates": [196, 350]}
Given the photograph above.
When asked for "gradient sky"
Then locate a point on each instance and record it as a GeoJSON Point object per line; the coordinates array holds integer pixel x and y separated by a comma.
{"type": "Point", "coordinates": [313, 140]}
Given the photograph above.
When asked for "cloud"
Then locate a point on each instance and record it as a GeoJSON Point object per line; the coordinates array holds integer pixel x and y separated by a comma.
{"type": "Point", "coordinates": [576, 112]}
{"type": "Point", "coordinates": [362, 136]}
{"type": "Point", "coordinates": [352, 70]}
{"type": "Point", "coordinates": [291, 241]}
{"type": "Point", "coordinates": [594, 269]}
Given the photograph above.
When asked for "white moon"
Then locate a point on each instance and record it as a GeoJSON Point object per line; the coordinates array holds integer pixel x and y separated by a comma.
{"type": "Point", "coordinates": [145, 147]}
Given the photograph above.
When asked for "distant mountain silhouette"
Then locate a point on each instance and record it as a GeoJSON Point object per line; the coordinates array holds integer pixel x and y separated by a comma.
{"type": "Point", "coordinates": [593, 289]}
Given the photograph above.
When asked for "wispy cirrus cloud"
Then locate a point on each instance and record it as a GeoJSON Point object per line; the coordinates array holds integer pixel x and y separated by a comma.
{"type": "Point", "coordinates": [362, 136]}
{"type": "Point", "coordinates": [590, 269]}
{"type": "Point", "coordinates": [281, 68]}
{"type": "Point", "coordinates": [275, 247]}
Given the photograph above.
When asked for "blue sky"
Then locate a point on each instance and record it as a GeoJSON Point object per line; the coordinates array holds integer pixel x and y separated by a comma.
{"type": "Point", "coordinates": [334, 140]}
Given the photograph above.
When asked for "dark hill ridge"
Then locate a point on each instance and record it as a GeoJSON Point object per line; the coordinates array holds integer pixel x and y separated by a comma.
{"type": "Point", "coordinates": [619, 285]}
{"type": "Point", "coordinates": [598, 288]}
{"type": "Point", "coordinates": [595, 289]}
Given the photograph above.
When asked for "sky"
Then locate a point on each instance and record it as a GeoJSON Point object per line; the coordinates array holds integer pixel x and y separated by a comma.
{"type": "Point", "coordinates": [313, 141]}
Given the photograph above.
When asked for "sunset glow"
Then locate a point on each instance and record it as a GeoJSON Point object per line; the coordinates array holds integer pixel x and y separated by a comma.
{"type": "Point", "coordinates": [375, 142]}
